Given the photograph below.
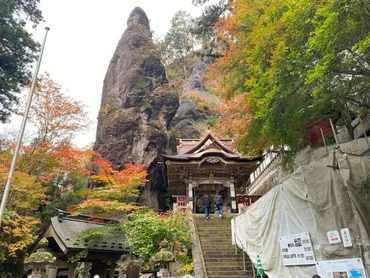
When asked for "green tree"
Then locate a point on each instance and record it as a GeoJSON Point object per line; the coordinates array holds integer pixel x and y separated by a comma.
{"type": "Point", "coordinates": [146, 229]}
{"type": "Point", "coordinates": [205, 31]}
{"type": "Point", "coordinates": [179, 41]}
{"type": "Point", "coordinates": [301, 60]}
{"type": "Point", "coordinates": [17, 50]}
{"type": "Point", "coordinates": [339, 58]}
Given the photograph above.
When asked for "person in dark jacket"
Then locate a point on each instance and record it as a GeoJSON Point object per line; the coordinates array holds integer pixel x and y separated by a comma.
{"type": "Point", "coordinates": [207, 205]}
{"type": "Point", "coordinates": [218, 203]}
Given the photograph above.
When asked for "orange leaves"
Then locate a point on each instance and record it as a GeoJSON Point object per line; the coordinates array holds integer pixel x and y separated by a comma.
{"type": "Point", "coordinates": [57, 117]}
{"type": "Point", "coordinates": [115, 189]}
{"type": "Point", "coordinates": [237, 112]}
{"type": "Point", "coordinates": [133, 175]}
{"type": "Point", "coordinates": [48, 161]}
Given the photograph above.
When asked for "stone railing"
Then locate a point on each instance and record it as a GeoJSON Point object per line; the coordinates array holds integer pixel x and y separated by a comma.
{"type": "Point", "coordinates": [197, 252]}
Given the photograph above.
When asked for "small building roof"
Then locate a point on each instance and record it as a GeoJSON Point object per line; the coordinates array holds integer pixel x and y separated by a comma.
{"type": "Point", "coordinates": [66, 229]}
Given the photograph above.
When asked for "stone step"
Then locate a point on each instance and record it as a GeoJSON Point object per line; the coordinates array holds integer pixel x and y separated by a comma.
{"type": "Point", "coordinates": [213, 223]}
{"type": "Point", "coordinates": [218, 248]}
{"type": "Point", "coordinates": [210, 226]}
{"type": "Point", "coordinates": [218, 252]}
{"type": "Point", "coordinates": [236, 264]}
{"type": "Point", "coordinates": [231, 256]}
{"type": "Point", "coordinates": [250, 274]}
{"type": "Point", "coordinates": [202, 216]}
{"type": "Point", "coordinates": [226, 273]}
{"type": "Point", "coordinates": [215, 239]}
{"type": "Point", "coordinates": [212, 238]}
{"type": "Point", "coordinates": [208, 235]}
{"type": "Point", "coordinates": [212, 258]}
{"type": "Point", "coordinates": [217, 244]}
{"type": "Point", "coordinates": [229, 269]}
{"type": "Point", "coordinates": [213, 228]}
{"type": "Point", "coordinates": [214, 232]}
{"type": "Point", "coordinates": [221, 231]}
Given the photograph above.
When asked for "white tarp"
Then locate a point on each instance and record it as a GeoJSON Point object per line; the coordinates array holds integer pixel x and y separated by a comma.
{"type": "Point", "coordinates": [320, 197]}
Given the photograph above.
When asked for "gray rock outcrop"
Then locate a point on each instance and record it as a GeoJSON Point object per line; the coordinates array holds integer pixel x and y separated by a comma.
{"type": "Point", "coordinates": [194, 112]}
{"type": "Point", "coordinates": [137, 106]}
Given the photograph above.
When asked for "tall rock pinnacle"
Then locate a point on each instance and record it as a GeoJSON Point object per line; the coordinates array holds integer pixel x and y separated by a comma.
{"type": "Point", "coordinates": [137, 105]}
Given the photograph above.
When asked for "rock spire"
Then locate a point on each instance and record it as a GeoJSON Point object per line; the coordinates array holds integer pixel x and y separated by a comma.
{"type": "Point", "coordinates": [137, 105]}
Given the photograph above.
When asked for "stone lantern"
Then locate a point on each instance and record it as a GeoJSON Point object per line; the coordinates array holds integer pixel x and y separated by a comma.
{"type": "Point", "coordinates": [40, 260]}
{"type": "Point", "coordinates": [164, 257]}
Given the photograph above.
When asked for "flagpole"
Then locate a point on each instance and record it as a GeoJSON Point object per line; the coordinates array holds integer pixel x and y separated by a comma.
{"type": "Point", "coordinates": [21, 132]}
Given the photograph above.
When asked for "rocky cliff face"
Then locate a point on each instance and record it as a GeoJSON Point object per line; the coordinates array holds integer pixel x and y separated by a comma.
{"type": "Point", "coordinates": [195, 111]}
{"type": "Point", "coordinates": [137, 105]}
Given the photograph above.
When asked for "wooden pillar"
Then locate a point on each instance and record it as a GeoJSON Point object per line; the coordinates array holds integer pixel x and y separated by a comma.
{"type": "Point", "coordinates": [71, 271]}
{"type": "Point", "coordinates": [190, 196]}
{"type": "Point", "coordinates": [232, 195]}
{"type": "Point", "coordinates": [112, 270]}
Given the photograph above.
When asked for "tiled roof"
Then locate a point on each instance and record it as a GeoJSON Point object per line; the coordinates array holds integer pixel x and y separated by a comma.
{"type": "Point", "coordinates": [67, 231]}
{"type": "Point", "coordinates": [209, 145]}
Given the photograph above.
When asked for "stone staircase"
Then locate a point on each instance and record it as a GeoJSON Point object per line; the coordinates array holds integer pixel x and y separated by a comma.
{"type": "Point", "coordinates": [218, 253]}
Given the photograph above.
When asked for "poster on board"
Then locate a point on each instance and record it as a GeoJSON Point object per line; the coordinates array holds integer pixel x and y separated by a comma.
{"type": "Point", "coordinates": [345, 268]}
{"type": "Point", "coordinates": [297, 249]}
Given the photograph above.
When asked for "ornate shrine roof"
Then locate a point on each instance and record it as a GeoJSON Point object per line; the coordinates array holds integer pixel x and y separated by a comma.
{"type": "Point", "coordinates": [208, 145]}
{"type": "Point", "coordinates": [209, 159]}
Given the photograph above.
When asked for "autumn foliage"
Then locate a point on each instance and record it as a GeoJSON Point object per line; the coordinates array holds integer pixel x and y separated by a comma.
{"type": "Point", "coordinates": [46, 166]}
{"type": "Point", "coordinates": [57, 117]}
{"type": "Point", "coordinates": [51, 171]}
{"type": "Point", "coordinates": [234, 120]}
{"type": "Point", "coordinates": [114, 192]}
{"type": "Point", "coordinates": [300, 60]}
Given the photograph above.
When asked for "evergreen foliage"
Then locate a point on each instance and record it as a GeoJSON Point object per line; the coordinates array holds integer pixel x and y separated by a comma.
{"type": "Point", "coordinates": [17, 50]}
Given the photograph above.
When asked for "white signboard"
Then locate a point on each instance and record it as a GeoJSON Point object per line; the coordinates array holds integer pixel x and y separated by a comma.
{"type": "Point", "coordinates": [346, 236]}
{"type": "Point", "coordinates": [297, 249]}
{"type": "Point", "coordinates": [346, 268]}
{"type": "Point", "coordinates": [187, 276]}
{"type": "Point", "coordinates": [333, 237]}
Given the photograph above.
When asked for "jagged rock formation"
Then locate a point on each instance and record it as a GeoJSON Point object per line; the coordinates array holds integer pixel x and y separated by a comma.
{"type": "Point", "coordinates": [194, 113]}
{"type": "Point", "coordinates": [137, 105]}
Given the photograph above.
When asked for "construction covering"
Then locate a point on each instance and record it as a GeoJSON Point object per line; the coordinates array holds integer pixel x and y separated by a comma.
{"type": "Point", "coordinates": [325, 195]}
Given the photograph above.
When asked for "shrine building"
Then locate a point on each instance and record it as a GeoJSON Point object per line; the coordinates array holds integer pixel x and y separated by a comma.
{"type": "Point", "coordinates": [63, 244]}
{"type": "Point", "coordinates": [204, 166]}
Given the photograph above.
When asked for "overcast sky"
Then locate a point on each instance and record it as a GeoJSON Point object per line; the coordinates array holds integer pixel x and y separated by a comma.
{"type": "Point", "coordinates": [82, 39]}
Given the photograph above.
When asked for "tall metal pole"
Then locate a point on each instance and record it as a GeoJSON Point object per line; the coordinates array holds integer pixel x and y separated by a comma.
{"type": "Point", "coordinates": [323, 139]}
{"type": "Point", "coordinates": [21, 132]}
{"type": "Point", "coordinates": [335, 135]}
